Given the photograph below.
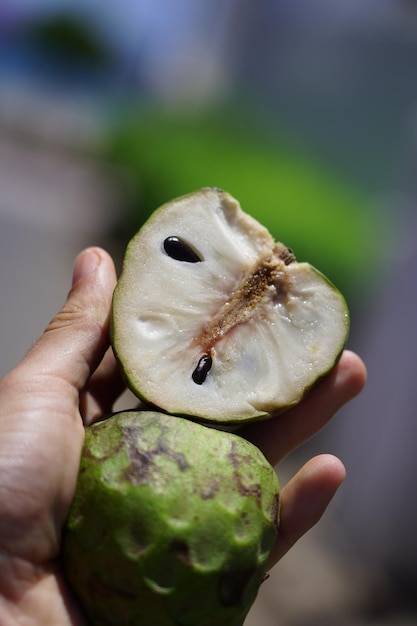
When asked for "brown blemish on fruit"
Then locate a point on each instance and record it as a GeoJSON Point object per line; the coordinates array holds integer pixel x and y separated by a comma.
{"type": "Point", "coordinates": [210, 491]}
{"type": "Point", "coordinates": [95, 453]}
{"type": "Point", "coordinates": [269, 277]}
{"type": "Point", "coordinates": [245, 491]}
{"type": "Point", "coordinates": [142, 462]}
{"type": "Point", "coordinates": [275, 512]}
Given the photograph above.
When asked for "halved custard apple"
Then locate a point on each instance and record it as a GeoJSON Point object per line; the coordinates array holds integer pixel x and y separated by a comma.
{"type": "Point", "coordinates": [214, 319]}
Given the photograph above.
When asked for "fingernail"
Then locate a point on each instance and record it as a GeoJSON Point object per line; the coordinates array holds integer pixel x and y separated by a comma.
{"type": "Point", "coordinates": [85, 263]}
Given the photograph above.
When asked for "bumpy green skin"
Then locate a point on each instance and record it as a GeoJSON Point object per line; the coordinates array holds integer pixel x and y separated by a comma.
{"type": "Point", "coordinates": [172, 523]}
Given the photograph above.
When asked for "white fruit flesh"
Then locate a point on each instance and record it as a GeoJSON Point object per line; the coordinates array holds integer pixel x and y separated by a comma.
{"type": "Point", "coordinates": [271, 327]}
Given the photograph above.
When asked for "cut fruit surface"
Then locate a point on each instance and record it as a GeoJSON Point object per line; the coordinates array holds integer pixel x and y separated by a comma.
{"type": "Point", "coordinates": [212, 318]}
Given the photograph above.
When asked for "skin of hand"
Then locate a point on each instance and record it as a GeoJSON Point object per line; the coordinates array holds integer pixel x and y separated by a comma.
{"type": "Point", "coordinates": [68, 379]}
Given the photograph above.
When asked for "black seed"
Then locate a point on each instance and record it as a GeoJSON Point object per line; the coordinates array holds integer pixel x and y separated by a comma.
{"type": "Point", "coordinates": [178, 249]}
{"type": "Point", "coordinates": [203, 367]}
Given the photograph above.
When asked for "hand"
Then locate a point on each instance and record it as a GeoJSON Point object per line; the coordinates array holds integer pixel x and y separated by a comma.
{"type": "Point", "coordinates": [305, 498]}
{"type": "Point", "coordinates": [68, 380]}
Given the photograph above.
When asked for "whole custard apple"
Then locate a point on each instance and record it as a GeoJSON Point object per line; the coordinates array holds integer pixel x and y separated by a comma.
{"type": "Point", "coordinates": [172, 523]}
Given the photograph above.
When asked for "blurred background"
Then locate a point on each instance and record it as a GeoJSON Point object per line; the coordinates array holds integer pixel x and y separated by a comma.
{"type": "Point", "coordinates": [304, 110]}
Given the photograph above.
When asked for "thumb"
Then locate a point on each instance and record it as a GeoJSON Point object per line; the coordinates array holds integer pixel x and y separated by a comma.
{"type": "Point", "coordinates": [41, 432]}
{"type": "Point", "coordinates": [77, 337]}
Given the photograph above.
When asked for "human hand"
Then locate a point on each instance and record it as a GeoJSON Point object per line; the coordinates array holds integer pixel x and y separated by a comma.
{"type": "Point", "coordinates": [68, 380]}
{"type": "Point", "coordinates": [305, 498]}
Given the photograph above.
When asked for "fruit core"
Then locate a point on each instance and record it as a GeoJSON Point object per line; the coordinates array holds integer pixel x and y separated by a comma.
{"type": "Point", "coordinates": [245, 301]}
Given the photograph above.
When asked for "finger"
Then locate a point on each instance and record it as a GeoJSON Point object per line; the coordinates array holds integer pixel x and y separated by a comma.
{"type": "Point", "coordinates": [304, 500]}
{"type": "Point", "coordinates": [77, 337]}
{"type": "Point", "coordinates": [104, 388]}
{"type": "Point", "coordinates": [280, 435]}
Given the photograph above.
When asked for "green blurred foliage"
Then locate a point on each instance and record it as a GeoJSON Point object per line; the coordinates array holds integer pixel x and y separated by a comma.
{"type": "Point", "coordinates": [324, 220]}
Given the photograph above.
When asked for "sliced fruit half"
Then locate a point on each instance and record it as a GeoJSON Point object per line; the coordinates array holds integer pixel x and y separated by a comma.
{"type": "Point", "coordinates": [214, 319]}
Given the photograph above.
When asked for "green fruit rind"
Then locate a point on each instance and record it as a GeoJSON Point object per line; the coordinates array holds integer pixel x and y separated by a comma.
{"type": "Point", "coordinates": [172, 523]}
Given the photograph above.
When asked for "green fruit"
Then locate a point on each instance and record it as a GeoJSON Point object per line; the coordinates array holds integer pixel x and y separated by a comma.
{"type": "Point", "coordinates": [172, 523]}
{"type": "Point", "coordinates": [214, 319]}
